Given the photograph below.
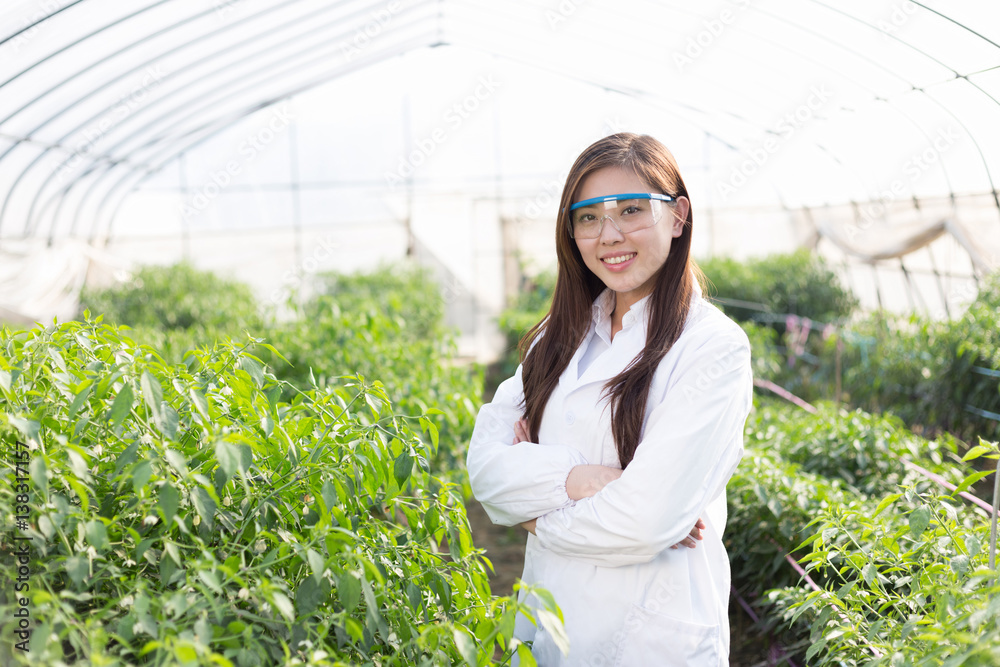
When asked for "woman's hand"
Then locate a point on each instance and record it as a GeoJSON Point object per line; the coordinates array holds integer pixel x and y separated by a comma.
{"type": "Point", "coordinates": [584, 481]}
{"type": "Point", "coordinates": [520, 431]}
{"type": "Point", "coordinates": [695, 534]}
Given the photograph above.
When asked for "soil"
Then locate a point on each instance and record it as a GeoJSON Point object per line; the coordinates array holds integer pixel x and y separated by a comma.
{"type": "Point", "coordinates": [505, 549]}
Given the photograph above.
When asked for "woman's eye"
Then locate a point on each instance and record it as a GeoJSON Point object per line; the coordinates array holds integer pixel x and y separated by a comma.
{"type": "Point", "coordinates": [586, 217]}
{"type": "Point", "coordinates": [630, 210]}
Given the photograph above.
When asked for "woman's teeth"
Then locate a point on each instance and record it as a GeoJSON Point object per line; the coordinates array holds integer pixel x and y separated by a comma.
{"type": "Point", "coordinates": [618, 260]}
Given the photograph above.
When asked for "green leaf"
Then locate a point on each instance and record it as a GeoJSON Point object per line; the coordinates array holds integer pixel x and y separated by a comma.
{"type": "Point", "coordinates": [402, 468]}
{"type": "Point", "coordinates": [316, 563]}
{"type": "Point", "coordinates": [78, 569]}
{"type": "Point", "coordinates": [920, 518]}
{"type": "Point", "coordinates": [27, 427]}
{"type": "Point", "coordinates": [256, 371]}
{"type": "Point", "coordinates": [97, 534]}
{"type": "Point", "coordinates": [525, 657]}
{"type": "Point", "coordinates": [414, 596]}
{"type": "Point", "coordinates": [152, 393]}
{"type": "Point", "coordinates": [168, 502]}
{"type": "Point", "coordinates": [283, 605]}
{"type": "Point", "coordinates": [200, 403]}
{"type": "Point", "coordinates": [977, 451]}
{"type": "Point", "coordinates": [176, 461]}
{"type": "Point", "coordinates": [970, 480]}
{"type": "Point", "coordinates": [38, 473]}
{"type": "Point", "coordinates": [311, 594]}
{"type": "Point", "coordinates": [204, 505]}
{"type": "Point", "coordinates": [814, 649]}
{"type": "Point", "coordinates": [349, 591]}
{"type": "Point", "coordinates": [80, 399]}
{"type": "Point", "coordinates": [267, 346]}
{"type": "Point", "coordinates": [888, 500]}
{"type": "Point", "coordinates": [228, 456]}
{"type": "Point", "coordinates": [168, 422]}
{"type": "Point", "coordinates": [121, 406]}
{"type": "Point", "coordinates": [140, 475]}
{"type": "Point", "coordinates": [972, 545]}
{"type": "Point", "coordinates": [960, 564]}
{"type": "Point", "coordinates": [211, 579]}
{"type": "Point", "coordinates": [466, 646]}
{"type": "Point", "coordinates": [553, 625]}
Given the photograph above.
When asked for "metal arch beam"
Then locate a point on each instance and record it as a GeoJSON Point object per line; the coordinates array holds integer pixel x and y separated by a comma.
{"type": "Point", "coordinates": [958, 75]}
{"type": "Point", "coordinates": [174, 151]}
{"type": "Point", "coordinates": [165, 100]}
{"type": "Point", "coordinates": [43, 19]}
{"type": "Point", "coordinates": [112, 161]}
{"type": "Point", "coordinates": [77, 128]}
{"type": "Point", "coordinates": [124, 74]}
{"type": "Point", "coordinates": [632, 94]}
{"type": "Point", "coordinates": [81, 40]}
{"type": "Point", "coordinates": [878, 65]}
{"type": "Point", "coordinates": [627, 93]}
{"type": "Point", "coordinates": [657, 105]}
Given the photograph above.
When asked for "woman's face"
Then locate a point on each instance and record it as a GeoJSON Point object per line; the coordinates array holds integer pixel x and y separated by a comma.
{"type": "Point", "coordinates": [626, 263]}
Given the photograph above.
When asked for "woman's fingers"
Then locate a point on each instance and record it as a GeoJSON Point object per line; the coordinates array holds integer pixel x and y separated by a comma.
{"type": "Point", "coordinates": [520, 431]}
{"type": "Point", "coordinates": [695, 534]}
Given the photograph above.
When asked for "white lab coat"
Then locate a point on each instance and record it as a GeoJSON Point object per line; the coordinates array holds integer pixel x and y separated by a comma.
{"type": "Point", "coordinates": [627, 598]}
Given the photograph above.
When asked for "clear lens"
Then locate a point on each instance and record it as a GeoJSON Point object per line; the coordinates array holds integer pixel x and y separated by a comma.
{"type": "Point", "coordinates": [627, 215]}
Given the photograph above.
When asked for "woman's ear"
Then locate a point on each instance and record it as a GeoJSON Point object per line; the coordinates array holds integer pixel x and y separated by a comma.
{"type": "Point", "coordinates": [680, 210]}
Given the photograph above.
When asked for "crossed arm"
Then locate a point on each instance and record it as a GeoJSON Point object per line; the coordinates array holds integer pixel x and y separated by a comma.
{"type": "Point", "coordinates": [584, 481]}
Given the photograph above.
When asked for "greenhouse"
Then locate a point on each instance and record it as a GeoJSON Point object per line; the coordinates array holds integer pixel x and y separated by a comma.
{"type": "Point", "coordinates": [266, 267]}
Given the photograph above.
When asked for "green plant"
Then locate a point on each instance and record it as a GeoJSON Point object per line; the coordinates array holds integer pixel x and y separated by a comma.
{"type": "Point", "coordinates": [530, 305]}
{"type": "Point", "coordinates": [799, 466]}
{"type": "Point", "coordinates": [177, 307]}
{"type": "Point", "coordinates": [189, 515]}
{"type": "Point", "coordinates": [769, 288]}
{"type": "Point", "coordinates": [388, 324]}
{"type": "Point", "coordinates": [907, 585]}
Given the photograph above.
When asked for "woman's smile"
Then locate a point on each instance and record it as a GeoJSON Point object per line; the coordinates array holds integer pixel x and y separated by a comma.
{"type": "Point", "coordinates": [619, 261]}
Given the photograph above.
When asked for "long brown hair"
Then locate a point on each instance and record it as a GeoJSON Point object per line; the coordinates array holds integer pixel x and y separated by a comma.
{"type": "Point", "coordinates": [545, 357]}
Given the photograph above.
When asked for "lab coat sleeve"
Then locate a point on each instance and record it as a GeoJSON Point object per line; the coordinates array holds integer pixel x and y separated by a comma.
{"type": "Point", "coordinates": [690, 448]}
{"type": "Point", "coordinates": [516, 483]}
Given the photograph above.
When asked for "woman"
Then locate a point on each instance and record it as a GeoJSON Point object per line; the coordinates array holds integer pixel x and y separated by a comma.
{"type": "Point", "coordinates": [615, 438]}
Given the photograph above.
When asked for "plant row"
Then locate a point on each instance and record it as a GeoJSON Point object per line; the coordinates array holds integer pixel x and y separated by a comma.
{"type": "Point", "coordinates": [191, 514]}
{"type": "Point", "coordinates": [900, 562]}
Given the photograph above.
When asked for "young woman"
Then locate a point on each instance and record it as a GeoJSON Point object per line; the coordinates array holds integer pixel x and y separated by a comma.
{"type": "Point", "coordinates": [614, 441]}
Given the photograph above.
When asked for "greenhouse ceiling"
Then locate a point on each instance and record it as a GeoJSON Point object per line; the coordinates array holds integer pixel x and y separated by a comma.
{"type": "Point", "coordinates": [866, 108]}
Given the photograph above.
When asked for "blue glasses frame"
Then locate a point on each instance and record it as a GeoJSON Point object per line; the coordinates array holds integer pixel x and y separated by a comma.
{"type": "Point", "coordinates": [629, 195]}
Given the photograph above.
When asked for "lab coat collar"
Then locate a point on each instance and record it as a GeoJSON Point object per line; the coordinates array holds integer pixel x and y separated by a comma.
{"type": "Point", "coordinates": [604, 306]}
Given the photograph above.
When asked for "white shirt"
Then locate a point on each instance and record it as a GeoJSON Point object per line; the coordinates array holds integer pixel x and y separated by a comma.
{"type": "Point", "coordinates": [627, 598]}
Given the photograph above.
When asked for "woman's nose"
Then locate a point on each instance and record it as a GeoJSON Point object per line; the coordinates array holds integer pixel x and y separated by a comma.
{"type": "Point", "coordinates": [610, 233]}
